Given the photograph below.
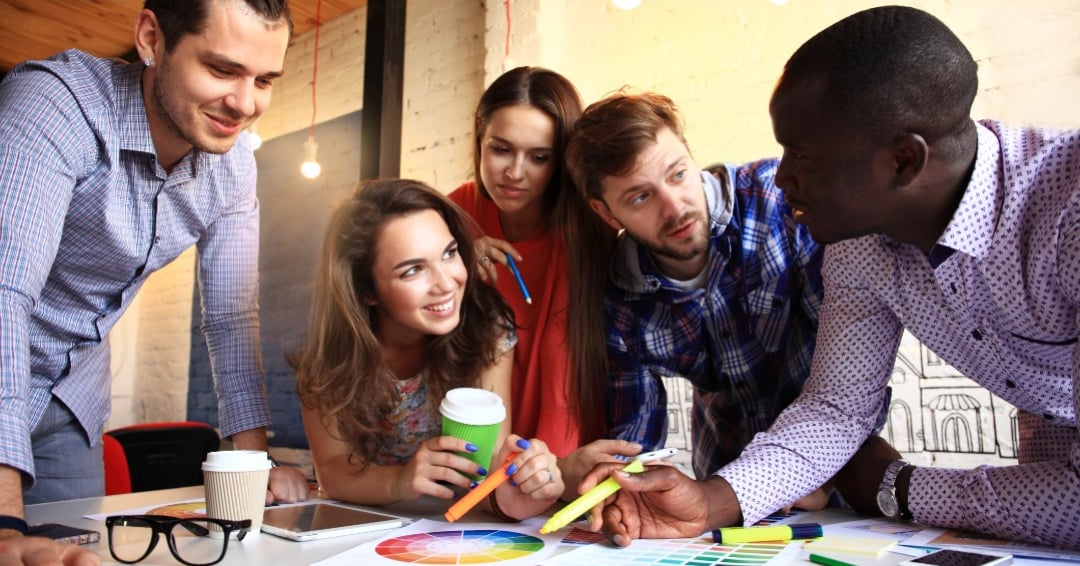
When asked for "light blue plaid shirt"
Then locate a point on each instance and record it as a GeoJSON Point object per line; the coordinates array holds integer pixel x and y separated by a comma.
{"type": "Point", "coordinates": [745, 341]}
{"type": "Point", "coordinates": [86, 214]}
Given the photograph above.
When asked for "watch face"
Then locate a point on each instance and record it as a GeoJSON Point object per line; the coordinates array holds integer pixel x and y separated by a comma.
{"type": "Point", "coordinates": [886, 503]}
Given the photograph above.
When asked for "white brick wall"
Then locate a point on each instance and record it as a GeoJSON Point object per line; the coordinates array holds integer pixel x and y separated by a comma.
{"type": "Point", "coordinates": [718, 60]}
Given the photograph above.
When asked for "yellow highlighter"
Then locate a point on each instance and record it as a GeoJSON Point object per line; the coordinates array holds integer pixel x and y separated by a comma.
{"type": "Point", "coordinates": [598, 493]}
{"type": "Point", "coordinates": [737, 535]}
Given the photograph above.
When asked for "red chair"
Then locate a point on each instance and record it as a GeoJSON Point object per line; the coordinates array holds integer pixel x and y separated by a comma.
{"type": "Point", "coordinates": [117, 476]}
{"type": "Point", "coordinates": [166, 454]}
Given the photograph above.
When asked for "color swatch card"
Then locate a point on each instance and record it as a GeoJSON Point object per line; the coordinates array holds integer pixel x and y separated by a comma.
{"type": "Point", "coordinates": [581, 537]}
{"type": "Point", "coordinates": [688, 552]}
{"type": "Point", "coordinates": [435, 542]}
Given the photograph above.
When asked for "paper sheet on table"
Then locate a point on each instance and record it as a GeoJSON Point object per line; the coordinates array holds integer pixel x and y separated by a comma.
{"type": "Point", "coordinates": [701, 550]}
{"type": "Point", "coordinates": [955, 538]}
{"type": "Point", "coordinates": [508, 544]}
{"type": "Point", "coordinates": [185, 508]}
{"type": "Point", "coordinates": [866, 531]}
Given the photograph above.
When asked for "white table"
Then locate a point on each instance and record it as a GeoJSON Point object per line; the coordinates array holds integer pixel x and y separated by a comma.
{"type": "Point", "coordinates": [256, 548]}
{"type": "Point", "coordinates": [261, 548]}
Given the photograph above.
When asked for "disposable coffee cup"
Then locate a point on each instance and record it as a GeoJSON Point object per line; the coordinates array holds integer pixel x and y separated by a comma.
{"type": "Point", "coordinates": [473, 415]}
{"type": "Point", "coordinates": [235, 483]}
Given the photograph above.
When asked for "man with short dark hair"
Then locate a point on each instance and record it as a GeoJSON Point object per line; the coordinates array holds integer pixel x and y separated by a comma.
{"type": "Point", "coordinates": [108, 171]}
{"type": "Point", "coordinates": [967, 234]}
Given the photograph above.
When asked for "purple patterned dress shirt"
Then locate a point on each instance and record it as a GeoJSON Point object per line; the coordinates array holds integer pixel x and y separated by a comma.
{"type": "Point", "coordinates": [998, 299]}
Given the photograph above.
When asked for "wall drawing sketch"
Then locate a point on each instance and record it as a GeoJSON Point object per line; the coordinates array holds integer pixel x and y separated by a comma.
{"type": "Point", "coordinates": [937, 417]}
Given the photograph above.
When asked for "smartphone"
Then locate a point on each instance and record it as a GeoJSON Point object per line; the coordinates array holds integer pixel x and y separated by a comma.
{"type": "Point", "coordinates": [950, 557]}
{"type": "Point", "coordinates": [64, 533]}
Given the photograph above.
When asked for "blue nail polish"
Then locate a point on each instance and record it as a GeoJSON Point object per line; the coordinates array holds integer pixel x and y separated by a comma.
{"type": "Point", "coordinates": [511, 470]}
{"type": "Point", "coordinates": [523, 444]}
{"type": "Point", "coordinates": [481, 471]}
{"type": "Point", "coordinates": [513, 483]}
{"type": "Point", "coordinates": [473, 485]}
{"type": "Point", "coordinates": [471, 447]}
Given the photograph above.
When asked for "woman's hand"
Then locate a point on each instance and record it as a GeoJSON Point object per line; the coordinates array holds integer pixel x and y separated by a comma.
{"type": "Point", "coordinates": [435, 461]}
{"type": "Point", "coordinates": [492, 250]}
{"type": "Point", "coordinates": [536, 481]}
{"type": "Point", "coordinates": [581, 461]}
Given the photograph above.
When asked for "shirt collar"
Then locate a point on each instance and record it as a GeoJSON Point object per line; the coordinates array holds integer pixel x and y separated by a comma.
{"type": "Point", "coordinates": [719, 199]}
{"type": "Point", "coordinates": [134, 127]}
{"type": "Point", "coordinates": [969, 232]}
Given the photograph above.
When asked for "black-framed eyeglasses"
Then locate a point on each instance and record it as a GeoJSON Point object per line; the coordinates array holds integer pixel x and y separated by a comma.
{"type": "Point", "coordinates": [198, 542]}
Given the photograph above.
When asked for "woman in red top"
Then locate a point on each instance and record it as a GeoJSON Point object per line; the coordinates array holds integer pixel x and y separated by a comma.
{"type": "Point", "coordinates": [528, 208]}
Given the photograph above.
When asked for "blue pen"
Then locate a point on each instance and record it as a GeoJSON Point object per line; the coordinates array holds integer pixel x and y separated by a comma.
{"type": "Point", "coordinates": [517, 275]}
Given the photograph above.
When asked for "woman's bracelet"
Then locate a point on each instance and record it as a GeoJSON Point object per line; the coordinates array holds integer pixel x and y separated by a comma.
{"type": "Point", "coordinates": [14, 523]}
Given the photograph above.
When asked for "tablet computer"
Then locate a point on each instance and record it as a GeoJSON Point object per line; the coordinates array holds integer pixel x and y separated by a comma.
{"type": "Point", "coordinates": [319, 519]}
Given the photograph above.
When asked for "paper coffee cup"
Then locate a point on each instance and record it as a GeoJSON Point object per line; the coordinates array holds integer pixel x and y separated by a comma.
{"type": "Point", "coordinates": [473, 415]}
{"type": "Point", "coordinates": [235, 483]}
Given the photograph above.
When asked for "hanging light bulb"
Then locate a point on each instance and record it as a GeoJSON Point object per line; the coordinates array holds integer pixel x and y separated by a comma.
{"type": "Point", "coordinates": [310, 168]}
{"type": "Point", "coordinates": [626, 4]}
{"type": "Point", "coordinates": [254, 138]}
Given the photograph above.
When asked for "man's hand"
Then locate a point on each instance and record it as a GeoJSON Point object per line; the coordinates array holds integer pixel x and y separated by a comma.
{"type": "Point", "coordinates": [287, 485]}
{"type": "Point", "coordinates": [34, 551]}
{"type": "Point", "coordinates": [859, 479]}
{"type": "Point", "coordinates": [814, 501]}
{"type": "Point", "coordinates": [576, 464]}
{"type": "Point", "coordinates": [662, 502]}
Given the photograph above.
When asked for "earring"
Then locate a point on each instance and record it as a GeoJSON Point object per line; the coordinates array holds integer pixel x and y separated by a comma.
{"type": "Point", "coordinates": [148, 61]}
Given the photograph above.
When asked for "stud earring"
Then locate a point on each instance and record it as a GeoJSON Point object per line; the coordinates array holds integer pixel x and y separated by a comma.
{"type": "Point", "coordinates": [148, 61]}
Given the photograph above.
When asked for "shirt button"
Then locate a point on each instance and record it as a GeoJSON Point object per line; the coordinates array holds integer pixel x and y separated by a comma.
{"type": "Point", "coordinates": [1010, 383]}
{"type": "Point", "coordinates": [976, 334]}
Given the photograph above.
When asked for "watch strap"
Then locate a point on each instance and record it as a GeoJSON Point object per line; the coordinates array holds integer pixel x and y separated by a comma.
{"type": "Point", "coordinates": [888, 483]}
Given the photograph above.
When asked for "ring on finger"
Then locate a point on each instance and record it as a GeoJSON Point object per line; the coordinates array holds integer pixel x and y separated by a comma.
{"type": "Point", "coordinates": [551, 476]}
{"type": "Point", "coordinates": [484, 259]}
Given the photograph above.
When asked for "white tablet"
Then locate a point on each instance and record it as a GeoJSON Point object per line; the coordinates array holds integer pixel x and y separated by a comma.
{"type": "Point", "coordinates": [319, 519]}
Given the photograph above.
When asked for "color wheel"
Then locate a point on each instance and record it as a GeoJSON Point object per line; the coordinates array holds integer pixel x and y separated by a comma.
{"type": "Point", "coordinates": [192, 510]}
{"type": "Point", "coordinates": [459, 547]}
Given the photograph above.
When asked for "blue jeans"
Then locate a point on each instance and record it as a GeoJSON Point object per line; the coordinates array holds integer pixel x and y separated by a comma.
{"type": "Point", "coordinates": [65, 465]}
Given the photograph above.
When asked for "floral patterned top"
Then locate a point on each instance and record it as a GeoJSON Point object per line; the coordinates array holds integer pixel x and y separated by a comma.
{"type": "Point", "coordinates": [416, 417]}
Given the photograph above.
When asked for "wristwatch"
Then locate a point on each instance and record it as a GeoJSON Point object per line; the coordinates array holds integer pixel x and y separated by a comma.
{"type": "Point", "coordinates": [887, 502]}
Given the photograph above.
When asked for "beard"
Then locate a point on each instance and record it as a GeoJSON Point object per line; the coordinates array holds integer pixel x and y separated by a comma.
{"type": "Point", "coordinates": [682, 253]}
{"type": "Point", "coordinates": [169, 109]}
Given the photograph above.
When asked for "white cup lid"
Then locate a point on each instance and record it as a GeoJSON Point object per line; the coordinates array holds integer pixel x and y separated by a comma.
{"type": "Point", "coordinates": [236, 461]}
{"type": "Point", "coordinates": [472, 406]}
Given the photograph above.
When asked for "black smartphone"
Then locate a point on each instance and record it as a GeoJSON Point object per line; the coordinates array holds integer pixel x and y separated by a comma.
{"type": "Point", "coordinates": [64, 533]}
{"type": "Point", "coordinates": [950, 557]}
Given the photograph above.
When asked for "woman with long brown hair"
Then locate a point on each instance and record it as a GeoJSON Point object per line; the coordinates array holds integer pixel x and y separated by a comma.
{"type": "Point", "coordinates": [528, 208]}
{"type": "Point", "coordinates": [400, 318]}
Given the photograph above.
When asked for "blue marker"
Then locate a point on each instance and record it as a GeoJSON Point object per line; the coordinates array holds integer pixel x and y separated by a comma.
{"type": "Point", "coordinates": [517, 275]}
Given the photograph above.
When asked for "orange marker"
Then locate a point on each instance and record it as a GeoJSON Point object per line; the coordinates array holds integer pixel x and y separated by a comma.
{"type": "Point", "coordinates": [469, 500]}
